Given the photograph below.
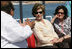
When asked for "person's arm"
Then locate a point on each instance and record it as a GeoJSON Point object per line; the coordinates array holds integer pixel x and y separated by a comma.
{"type": "Point", "coordinates": [67, 36]}
{"type": "Point", "coordinates": [55, 36]}
{"type": "Point", "coordinates": [31, 24]}
{"type": "Point", "coordinates": [53, 19]}
{"type": "Point", "coordinates": [63, 38]}
{"type": "Point", "coordinates": [42, 38]}
{"type": "Point", "coordinates": [14, 31]}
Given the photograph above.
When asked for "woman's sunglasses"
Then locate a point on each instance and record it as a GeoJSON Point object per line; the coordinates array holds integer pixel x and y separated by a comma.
{"type": "Point", "coordinates": [38, 12]}
{"type": "Point", "coordinates": [60, 13]}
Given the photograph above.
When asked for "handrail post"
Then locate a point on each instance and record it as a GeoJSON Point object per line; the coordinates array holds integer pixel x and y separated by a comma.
{"type": "Point", "coordinates": [43, 2]}
{"type": "Point", "coordinates": [21, 13]}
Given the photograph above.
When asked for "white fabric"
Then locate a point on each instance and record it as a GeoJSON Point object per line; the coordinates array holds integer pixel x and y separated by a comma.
{"type": "Point", "coordinates": [12, 34]}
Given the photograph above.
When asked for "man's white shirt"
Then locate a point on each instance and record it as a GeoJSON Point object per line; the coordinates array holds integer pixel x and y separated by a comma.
{"type": "Point", "coordinates": [12, 34]}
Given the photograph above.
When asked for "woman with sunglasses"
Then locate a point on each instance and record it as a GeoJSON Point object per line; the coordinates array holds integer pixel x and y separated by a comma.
{"type": "Point", "coordinates": [62, 25]}
{"type": "Point", "coordinates": [43, 29]}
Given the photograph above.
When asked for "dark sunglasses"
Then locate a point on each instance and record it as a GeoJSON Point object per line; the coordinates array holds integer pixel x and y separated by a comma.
{"type": "Point", "coordinates": [60, 13]}
{"type": "Point", "coordinates": [38, 12]}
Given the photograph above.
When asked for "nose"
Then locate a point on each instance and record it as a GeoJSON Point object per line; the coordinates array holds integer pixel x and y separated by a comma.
{"type": "Point", "coordinates": [38, 13]}
{"type": "Point", "coordinates": [59, 13]}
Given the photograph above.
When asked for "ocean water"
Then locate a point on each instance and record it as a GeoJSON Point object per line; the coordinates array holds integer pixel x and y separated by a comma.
{"type": "Point", "coordinates": [27, 10]}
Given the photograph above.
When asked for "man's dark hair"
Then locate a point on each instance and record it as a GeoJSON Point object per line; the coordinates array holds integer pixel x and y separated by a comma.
{"type": "Point", "coordinates": [7, 7]}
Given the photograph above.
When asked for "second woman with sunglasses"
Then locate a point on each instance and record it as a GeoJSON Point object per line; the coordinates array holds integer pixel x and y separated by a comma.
{"type": "Point", "coordinates": [62, 25]}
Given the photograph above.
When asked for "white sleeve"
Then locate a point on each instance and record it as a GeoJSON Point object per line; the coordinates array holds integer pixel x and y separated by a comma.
{"type": "Point", "coordinates": [13, 32]}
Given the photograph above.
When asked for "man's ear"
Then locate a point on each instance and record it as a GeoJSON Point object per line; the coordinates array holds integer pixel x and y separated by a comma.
{"type": "Point", "coordinates": [43, 13]}
{"type": "Point", "coordinates": [12, 12]}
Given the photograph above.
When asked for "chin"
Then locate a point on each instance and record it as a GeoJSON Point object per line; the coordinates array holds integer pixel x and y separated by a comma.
{"type": "Point", "coordinates": [39, 19]}
{"type": "Point", "coordinates": [60, 17]}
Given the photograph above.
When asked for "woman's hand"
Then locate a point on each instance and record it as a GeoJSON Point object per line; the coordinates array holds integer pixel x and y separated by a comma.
{"type": "Point", "coordinates": [31, 24]}
{"type": "Point", "coordinates": [60, 40]}
{"type": "Point", "coordinates": [52, 21]}
{"type": "Point", "coordinates": [56, 16]}
{"type": "Point", "coordinates": [67, 36]}
{"type": "Point", "coordinates": [54, 40]}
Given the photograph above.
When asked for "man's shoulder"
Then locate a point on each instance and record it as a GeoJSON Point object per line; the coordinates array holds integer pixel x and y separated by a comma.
{"type": "Point", "coordinates": [5, 14]}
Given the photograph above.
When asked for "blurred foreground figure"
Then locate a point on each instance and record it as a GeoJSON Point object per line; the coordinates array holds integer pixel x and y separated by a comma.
{"type": "Point", "coordinates": [13, 34]}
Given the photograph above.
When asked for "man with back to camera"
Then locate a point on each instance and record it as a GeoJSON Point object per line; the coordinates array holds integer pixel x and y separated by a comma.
{"type": "Point", "coordinates": [13, 34]}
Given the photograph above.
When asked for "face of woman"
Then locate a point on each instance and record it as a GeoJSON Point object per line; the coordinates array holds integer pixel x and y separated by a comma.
{"type": "Point", "coordinates": [39, 14]}
{"type": "Point", "coordinates": [61, 14]}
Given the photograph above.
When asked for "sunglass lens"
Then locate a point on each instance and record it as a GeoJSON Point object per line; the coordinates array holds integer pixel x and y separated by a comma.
{"type": "Point", "coordinates": [40, 12]}
{"type": "Point", "coordinates": [36, 12]}
{"type": "Point", "coordinates": [60, 13]}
